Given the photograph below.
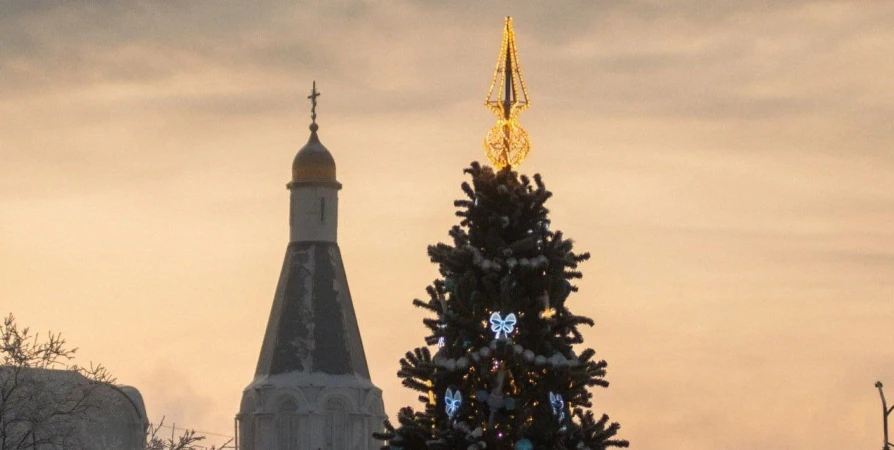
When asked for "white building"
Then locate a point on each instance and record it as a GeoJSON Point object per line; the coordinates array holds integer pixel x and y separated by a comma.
{"type": "Point", "coordinates": [312, 388]}
{"type": "Point", "coordinates": [45, 409]}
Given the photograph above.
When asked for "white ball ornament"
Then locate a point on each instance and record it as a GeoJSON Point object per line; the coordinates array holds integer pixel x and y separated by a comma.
{"type": "Point", "coordinates": [518, 349]}
{"type": "Point", "coordinates": [476, 254]}
{"type": "Point", "coordinates": [462, 363]}
{"type": "Point", "coordinates": [540, 360]}
{"type": "Point", "coordinates": [451, 365]}
{"type": "Point", "coordinates": [529, 356]}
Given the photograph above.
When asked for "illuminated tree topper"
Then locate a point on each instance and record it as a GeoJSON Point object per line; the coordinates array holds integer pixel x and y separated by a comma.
{"type": "Point", "coordinates": [507, 143]}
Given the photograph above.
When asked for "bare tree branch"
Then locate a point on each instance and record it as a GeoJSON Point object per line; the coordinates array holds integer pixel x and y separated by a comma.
{"type": "Point", "coordinates": [886, 444]}
{"type": "Point", "coordinates": [44, 399]}
{"type": "Point", "coordinates": [186, 441]}
{"type": "Point", "coordinates": [38, 411]}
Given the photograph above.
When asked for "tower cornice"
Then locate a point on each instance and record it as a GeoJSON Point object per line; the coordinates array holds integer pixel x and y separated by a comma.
{"type": "Point", "coordinates": [325, 183]}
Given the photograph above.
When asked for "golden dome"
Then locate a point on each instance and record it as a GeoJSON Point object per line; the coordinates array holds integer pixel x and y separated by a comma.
{"type": "Point", "coordinates": [313, 163]}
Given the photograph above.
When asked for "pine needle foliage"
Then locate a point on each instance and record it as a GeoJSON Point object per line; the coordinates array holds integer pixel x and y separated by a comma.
{"type": "Point", "coordinates": [505, 374]}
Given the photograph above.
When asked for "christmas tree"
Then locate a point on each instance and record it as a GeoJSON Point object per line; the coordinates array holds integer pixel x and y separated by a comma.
{"type": "Point", "coordinates": [505, 374]}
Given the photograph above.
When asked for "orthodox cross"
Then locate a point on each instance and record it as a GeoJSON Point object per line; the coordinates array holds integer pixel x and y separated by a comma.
{"type": "Point", "coordinates": [313, 102]}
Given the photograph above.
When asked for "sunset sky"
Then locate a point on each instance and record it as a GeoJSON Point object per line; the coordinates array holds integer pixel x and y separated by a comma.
{"type": "Point", "coordinates": [729, 165]}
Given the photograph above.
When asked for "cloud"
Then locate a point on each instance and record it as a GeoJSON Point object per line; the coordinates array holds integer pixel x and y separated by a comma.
{"type": "Point", "coordinates": [728, 163]}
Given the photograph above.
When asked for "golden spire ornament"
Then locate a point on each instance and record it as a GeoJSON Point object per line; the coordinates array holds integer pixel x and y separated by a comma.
{"type": "Point", "coordinates": [507, 143]}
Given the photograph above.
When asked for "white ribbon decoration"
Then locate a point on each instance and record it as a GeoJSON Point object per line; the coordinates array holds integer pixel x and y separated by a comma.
{"type": "Point", "coordinates": [502, 326]}
{"type": "Point", "coordinates": [558, 405]}
{"type": "Point", "coordinates": [452, 402]}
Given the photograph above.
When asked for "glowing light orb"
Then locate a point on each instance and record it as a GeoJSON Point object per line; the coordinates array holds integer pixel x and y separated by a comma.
{"type": "Point", "coordinates": [506, 144]}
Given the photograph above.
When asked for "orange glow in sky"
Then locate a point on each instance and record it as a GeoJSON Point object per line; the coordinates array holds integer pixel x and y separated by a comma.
{"type": "Point", "coordinates": [728, 165]}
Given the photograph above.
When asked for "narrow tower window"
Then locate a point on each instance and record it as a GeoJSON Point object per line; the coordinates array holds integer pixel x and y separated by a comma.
{"type": "Point", "coordinates": [322, 209]}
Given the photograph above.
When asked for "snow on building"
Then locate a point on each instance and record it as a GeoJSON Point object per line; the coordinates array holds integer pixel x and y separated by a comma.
{"type": "Point", "coordinates": [47, 409]}
{"type": "Point", "coordinates": [312, 388]}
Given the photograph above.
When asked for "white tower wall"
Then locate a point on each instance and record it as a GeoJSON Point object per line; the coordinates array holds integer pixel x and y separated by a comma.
{"type": "Point", "coordinates": [314, 213]}
{"type": "Point", "coordinates": [311, 389]}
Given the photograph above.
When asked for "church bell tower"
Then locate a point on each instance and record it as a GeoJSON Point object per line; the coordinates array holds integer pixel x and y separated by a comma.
{"type": "Point", "coordinates": [311, 388]}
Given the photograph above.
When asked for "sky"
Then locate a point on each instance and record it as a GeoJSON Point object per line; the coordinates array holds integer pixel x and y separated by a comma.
{"type": "Point", "coordinates": [728, 164]}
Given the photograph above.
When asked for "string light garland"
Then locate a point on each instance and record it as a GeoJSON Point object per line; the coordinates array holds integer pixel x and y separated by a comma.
{"type": "Point", "coordinates": [431, 393]}
{"type": "Point", "coordinates": [507, 143]}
